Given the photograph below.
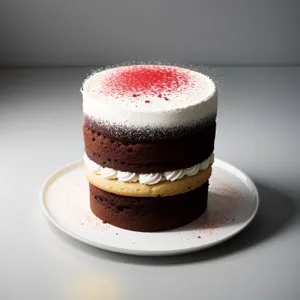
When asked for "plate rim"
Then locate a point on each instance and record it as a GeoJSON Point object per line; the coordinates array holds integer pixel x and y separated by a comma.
{"type": "Point", "coordinates": [218, 162]}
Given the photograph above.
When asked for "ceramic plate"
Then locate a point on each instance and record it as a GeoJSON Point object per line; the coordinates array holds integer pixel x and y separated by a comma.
{"type": "Point", "coordinates": [232, 204]}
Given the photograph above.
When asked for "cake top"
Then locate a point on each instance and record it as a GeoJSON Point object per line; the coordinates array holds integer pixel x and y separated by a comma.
{"type": "Point", "coordinates": [148, 95]}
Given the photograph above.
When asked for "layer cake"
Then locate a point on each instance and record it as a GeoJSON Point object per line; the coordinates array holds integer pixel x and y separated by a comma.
{"type": "Point", "coordinates": [149, 133]}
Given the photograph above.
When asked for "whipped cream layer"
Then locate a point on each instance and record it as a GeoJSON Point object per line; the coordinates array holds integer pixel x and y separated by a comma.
{"type": "Point", "coordinates": [149, 178]}
{"type": "Point", "coordinates": [151, 96]}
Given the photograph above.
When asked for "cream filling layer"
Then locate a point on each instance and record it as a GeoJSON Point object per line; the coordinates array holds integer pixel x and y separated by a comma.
{"type": "Point", "coordinates": [146, 178]}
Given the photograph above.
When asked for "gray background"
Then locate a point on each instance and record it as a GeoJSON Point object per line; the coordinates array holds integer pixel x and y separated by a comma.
{"type": "Point", "coordinates": [41, 130]}
{"type": "Point", "coordinates": [100, 32]}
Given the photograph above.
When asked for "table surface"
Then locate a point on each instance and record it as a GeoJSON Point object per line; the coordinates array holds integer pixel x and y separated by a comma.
{"type": "Point", "coordinates": [40, 130]}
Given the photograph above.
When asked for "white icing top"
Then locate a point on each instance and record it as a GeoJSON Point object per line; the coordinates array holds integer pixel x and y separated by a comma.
{"type": "Point", "coordinates": [150, 178]}
{"type": "Point", "coordinates": [149, 96]}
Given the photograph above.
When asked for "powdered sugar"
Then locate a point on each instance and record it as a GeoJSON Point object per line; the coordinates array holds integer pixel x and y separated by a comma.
{"type": "Point", "coordinates": [149, 96]}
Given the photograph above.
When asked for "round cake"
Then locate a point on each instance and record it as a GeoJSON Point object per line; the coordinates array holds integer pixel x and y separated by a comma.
{"type": "Point", "coordinates": [149, 133]}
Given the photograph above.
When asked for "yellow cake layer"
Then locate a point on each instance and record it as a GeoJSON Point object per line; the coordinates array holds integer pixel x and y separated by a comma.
{"type": "Point", "coordinates": [161, 189]}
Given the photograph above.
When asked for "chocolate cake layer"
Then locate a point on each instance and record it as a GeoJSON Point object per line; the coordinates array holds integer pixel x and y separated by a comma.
{"type": "Point", "coordinates": [150, 157]}
{"type": "Point", "coordinates": [148, 214]}
{"type": "Point", "coordinates": [133, 134]}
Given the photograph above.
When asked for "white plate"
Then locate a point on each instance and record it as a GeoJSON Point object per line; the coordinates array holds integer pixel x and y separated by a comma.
{"type": "Point", "coordinates": [232, 204]}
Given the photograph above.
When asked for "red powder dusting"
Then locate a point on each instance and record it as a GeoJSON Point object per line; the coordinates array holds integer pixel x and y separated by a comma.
{"type": "Point", "coordinates": [147, 101]}
{"type": "Point", "coordinates": [145, 80]}
{"type": "Point", "coordinates": [219, 215]}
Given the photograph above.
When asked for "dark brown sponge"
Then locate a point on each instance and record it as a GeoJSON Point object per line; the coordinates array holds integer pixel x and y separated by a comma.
{"type": "Point", "coordinates": [149, 157]}
{"type": "Point", "coordinates": [148, 214]}
{"type": "Point", "coordinates": [148, 134]}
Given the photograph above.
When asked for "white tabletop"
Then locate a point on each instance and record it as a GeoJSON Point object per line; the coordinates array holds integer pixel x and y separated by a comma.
{"type": "Point", "coordinates": [258, 131]}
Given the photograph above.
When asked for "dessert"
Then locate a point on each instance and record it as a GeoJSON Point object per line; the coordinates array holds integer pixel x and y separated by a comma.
{"type": "Point", "coordinates": [149, 133]}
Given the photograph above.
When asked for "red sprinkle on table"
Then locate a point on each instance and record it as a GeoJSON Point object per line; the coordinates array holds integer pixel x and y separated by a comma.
{"type": "Point", "coordinates": [146, 80]}
{"type": "Point", "coordinates": [147, 101]}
